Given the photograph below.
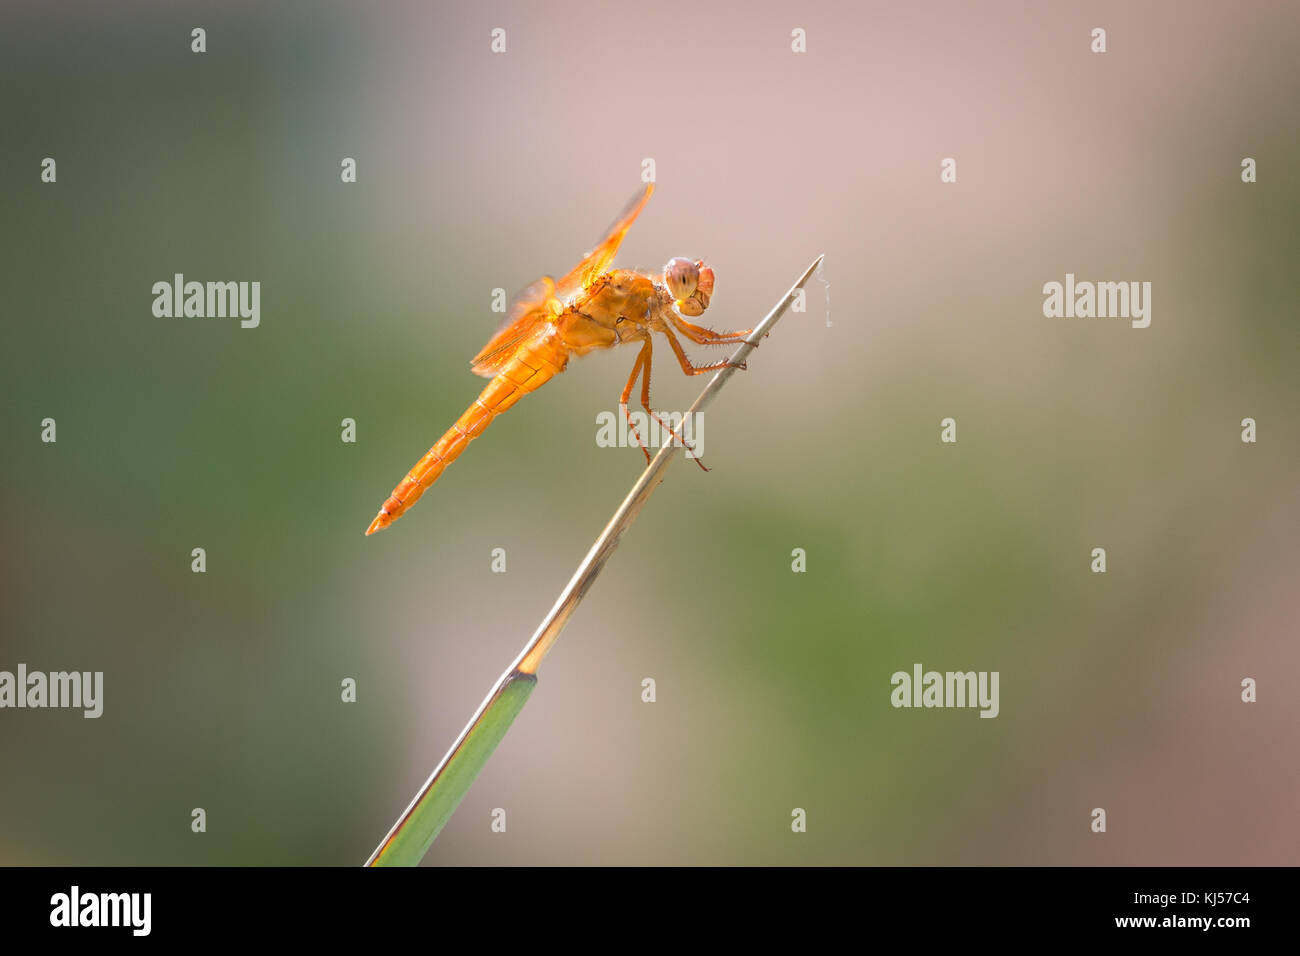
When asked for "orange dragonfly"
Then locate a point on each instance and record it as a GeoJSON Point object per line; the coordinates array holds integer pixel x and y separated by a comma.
{"type": "Point", "coordinates": [593, 307]}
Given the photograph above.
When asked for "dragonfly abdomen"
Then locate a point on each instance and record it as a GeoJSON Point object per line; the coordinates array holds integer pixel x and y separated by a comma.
{"type": "Point", "coordinates": [528, 371]}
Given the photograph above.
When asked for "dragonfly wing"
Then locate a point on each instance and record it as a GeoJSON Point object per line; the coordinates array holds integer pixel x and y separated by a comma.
{"type": "Point", "coordinates": [535, 306]}
{"type": "Point", "coordinates": [598, 260]}
{"type": "Point", "coordinates": [544, 299]}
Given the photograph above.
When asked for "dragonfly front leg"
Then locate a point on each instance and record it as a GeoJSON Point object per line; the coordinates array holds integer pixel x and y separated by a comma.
{"type": "Point", "coordinates": [685, 361]}
{"type": "Point", "coordinates": [702, 336]}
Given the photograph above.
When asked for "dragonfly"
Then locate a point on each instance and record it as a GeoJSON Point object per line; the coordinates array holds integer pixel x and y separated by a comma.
{"type": "Point", "coordinates": [592, 307]}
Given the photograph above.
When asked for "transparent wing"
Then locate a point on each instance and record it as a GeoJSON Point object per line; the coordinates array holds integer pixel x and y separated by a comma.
{"type": "Point", "coordinates": [598, 260]}
{"type": "Point", "coordinates": [535, 306]}
{"type": "Point", "coordinates": [544, 299]}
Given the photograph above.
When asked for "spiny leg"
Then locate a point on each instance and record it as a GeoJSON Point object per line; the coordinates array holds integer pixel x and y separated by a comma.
{"type": "Point", "coordinates": [645, 403]}
{"type": "Point", "coordinates": [642, 362]}
{"type": "Point", "coordinates": [685, 361]}
{"type": "Point", "coordinates": [702, 336]}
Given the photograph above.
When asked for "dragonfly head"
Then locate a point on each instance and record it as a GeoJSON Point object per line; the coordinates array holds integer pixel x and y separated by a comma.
{"type": "Point", "coordinates": [691, 284]}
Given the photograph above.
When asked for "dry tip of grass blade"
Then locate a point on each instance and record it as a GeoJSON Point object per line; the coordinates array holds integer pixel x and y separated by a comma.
{"type": "Point", "coordinates": [417, 828]}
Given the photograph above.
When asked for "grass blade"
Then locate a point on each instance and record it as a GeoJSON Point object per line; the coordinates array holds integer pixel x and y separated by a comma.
{"type": "Point", "coordinates": [417, 828]}
{"type": "Point", "coordinates": [429, 812]}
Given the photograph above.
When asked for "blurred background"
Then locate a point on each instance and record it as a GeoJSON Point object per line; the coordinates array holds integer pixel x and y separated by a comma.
{"type": "Point", "coordinates": [479, 170]}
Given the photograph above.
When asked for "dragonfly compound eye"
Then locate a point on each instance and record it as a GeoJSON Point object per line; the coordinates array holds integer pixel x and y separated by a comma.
{"type": "Point", "coordinates": [695, 303]}
{"type": "Point", "coordinates": [681, 276]}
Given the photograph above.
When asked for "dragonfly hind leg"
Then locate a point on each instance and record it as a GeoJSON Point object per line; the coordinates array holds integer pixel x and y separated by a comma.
{"type": "Point", "coordinates": [647, 351]}
{"type": "Point", "coordinates": [641, 362]}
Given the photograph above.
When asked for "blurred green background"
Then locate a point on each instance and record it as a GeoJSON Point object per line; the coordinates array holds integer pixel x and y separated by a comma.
{"type": "Point", "coordinates": [479, 171]}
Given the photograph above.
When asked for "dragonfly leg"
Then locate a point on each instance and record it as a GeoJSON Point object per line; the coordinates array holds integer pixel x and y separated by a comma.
{"type": "Point", "coordinates": [642, 362]}
{"type": "Point", "coordinates": [685, 361]}
{"type": "Point", "coordinates": [645, 403]}
{"type": "Point", "coordinates": [702, 336]}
